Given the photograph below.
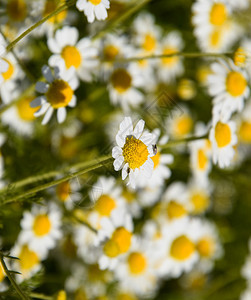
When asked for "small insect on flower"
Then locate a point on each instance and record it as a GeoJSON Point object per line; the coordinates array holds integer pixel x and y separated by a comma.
{"type": "Point", "coordinates": [134, 151]}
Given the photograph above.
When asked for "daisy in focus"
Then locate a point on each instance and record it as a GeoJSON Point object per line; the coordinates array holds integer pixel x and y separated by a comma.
{"type": "Point", "coordinates": [58, 92]}
{"type": "Point", "coordinates": [41, 228]}
{"type": "Point", "coordinates": [229, 86]}
{"type": "Point", "coordinates": [94, 9]}
{"type": "Point", "coordinates": [134, 151]}
{"type": "Point", "coordinates": [70, 52]}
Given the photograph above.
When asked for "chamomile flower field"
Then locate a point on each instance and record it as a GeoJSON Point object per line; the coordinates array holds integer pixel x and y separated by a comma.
{"type": "Point", "coordinates": [125, 149]}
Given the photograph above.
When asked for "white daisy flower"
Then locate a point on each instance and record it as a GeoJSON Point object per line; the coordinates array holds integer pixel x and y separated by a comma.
{"type": "Point", "coordinates": [58, 93]}
{"type": "Point", "coordinates": [171, 67]}
{"type": "Point", "coordinates": [20, 116]}
{"type": "Point", "coordinates": [67, 50]}
{"type": "Point", "coordinates": [134, 151]}
{"type": "Point", "coordinates": [136, 272]}
{"type": "Point", "coordinates": [229, 86]}
{"type": "Point", "coordinates": [179, 248]}
{"type": "Point", "coordinates": [242, 56]}
{"type": "Point", "coordinates": [122, 86]}
{"type": "Point", "coordinates": [67, 193]}
{"type": "Point", "coordinates": [244, 125]}
{"type": "Point", "coordinates": [241, 4]}
{"type": "Point", "coordinates": [223, 138]}
{"type": "Point", "coordinates": [3, 64]}
{"type": "Point", "coordinates": [41, 228]}
{"type": "Point", "coordinates": [106, 198]}
{"type": "Point", "coordinates": [94, 9]}
{"type": "Point", "coordinates": [149, 196]}
{"type": "Point", "coordinates": [132, 204]}
{"type": "Point", "coordinates": [116, 237]}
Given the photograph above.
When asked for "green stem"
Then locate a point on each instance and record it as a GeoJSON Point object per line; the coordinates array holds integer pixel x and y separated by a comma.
{"type": "Point", "coordinates": [13, 282]}
{"type": "Point", "coordinates": [30, 29]}
{"type": "Point", "coordinates": [97, 163]}
{"type": "Point", "coordinates": [40, 296]}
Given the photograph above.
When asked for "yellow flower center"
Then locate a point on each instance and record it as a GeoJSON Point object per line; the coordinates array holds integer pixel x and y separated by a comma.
{"type": "Point", "coordinates": [105, 205]}
{"type": "Point", "coordinates": [222, 134]}
{"type": "Point", "coordinates": [110, 52]}
{"type": "Point", "coordinates": [183, 125]}
{"type": "Point", "coordinates": [61, 295]}
{"type": "Point", "coordinates": [71, 56]}
{"type": "Point", "coordinates": [205, 247]}
{"type": "Point", "coordinates": [236, 83]}
{"type": "Point", "coordinates": [135, 152]}
{"type": "Point", "coordinates": [2, 274]}
{"type": "Point", "coordinates": [111, 248]}
{"type": "Point", "coordinates": [218, 14]}
{"type": "Point", "coordinates": [28, 259]}
{"type": "Point", "coordinates": [202, 159]}
{"type": "Point", "coordinates": [121, 80]}
{"type": "Point", "coordinates": [26, 112]}
{"type": "Point", "coordinates": [182, 248]}
{"type": "Point", "coordinates": [175, 210]}
{"type": "Point", "coordinates": [95, 2]}
{"type": "Point", "coordinates": [59, 93]}
{"type": "Point", "coordinates": [170, 60]}
{"type": "Point", "coordinates": [240, 57]}
{"type": "Point", "coordinates": [8, 74]}
{"type": "Point", "coordinates": [200, 202]}
{"type": "Point", "coordinates": [50, 6]}
{"type": "Point", "coordinates": [41, 225]}
{"type": "Point", "coordinates": [149, 43]}
{"type": "Point", "coordinates": [156, 159]}
{"type": "Point", "coordinates": [245, 132]}
{"type": "Point", "coordinates": [137, 263]}
{"type": "Point", "coordinates": [16, 10]}
{"type": "Point", "coordinates": [215, 38]}
{"type": "Point", "coordinates": [63, 191]}
{"type": "Point", "coordinates": [122, 237]}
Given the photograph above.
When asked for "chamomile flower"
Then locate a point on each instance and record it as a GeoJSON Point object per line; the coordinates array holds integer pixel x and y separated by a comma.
{"type": "Point", "coordinates": [171, 67]}
{"type": "Point", "coordinates": [20, 117]}
{"type": "Point", "coordinates": [198, 197]}
{"type": "Point", "coordinates": [244, 125]}
{"type": "Point", "coordinates": [229, 86]}
{"type": "Point", "coordinates": [122, 86]}
{"type": "Point", "coordinates": [3, 64]}
{"type": "Point", "coordinates": [134, 151]}
{"type": "Point", "coordinates": [94, 9]}
{"type": "Point", "coordinates": [116, 236]}
{"type": "Point", "coordinates": [136, 271]}
{"type": "Point", "coordinates": [67, 50]}
{"type": "Point", "coordinates": [67, 193]}
{"type": "Point", "coordinates": [179, 248]}
{"type": "Point", "coordinates": [223, 138]}
{"type": "Point", "coordinates": [58, 93]}
{"type": "Point", "coordinates": [41, 228]}
{"type": "Point", "coordinates": [242, 56]}
{"type": "Point", "coordinates": [242, 4]}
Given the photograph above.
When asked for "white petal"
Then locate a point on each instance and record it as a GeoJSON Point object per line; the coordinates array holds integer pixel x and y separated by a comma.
{"type": "Point", "coordinates": [124, 172]}
{"type": "Point", "coordinates": [116, 151]}
{"type": "Point", "coordinates": [73, 101]}
{"type": "Point", "coordinates": [61, 114]}
{"type": "Point", "coordinates": [42, 87]}
{"type": "Point", "coordinates": [37, 101]}
{"type": "Point", "coordinates": [47, 116]}
{"type": "Point", "coordinates": [42, 110]}
{"type": "Point", "coordinates": [47, 73]}
{"type": "Point", "coordinates": [139, 129]}
{"type": "Point", "coordinates": [118, 163]}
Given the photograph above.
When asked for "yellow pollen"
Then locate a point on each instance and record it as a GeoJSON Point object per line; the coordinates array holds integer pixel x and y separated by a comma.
{"type": "Point", "coordinates": [149, 43]}
{"type": "Point", "coordinates": [8, 74]}
{"type": "Point", "coordinates": [50, 6]}
{"type": "Point", "coordinates": [105, 205]}
{"type": "Point", "coordinates": [175, 210]}
{"type": "Point", "coordinates": [16, 10]}
{"type": "Point", "coordinates": [222, 134]}
{"type": "Point", "coordinates": [182, 248]}
{"type": "Point", "coordinates": [240, 57]}
{"type": "Point", "coordinates": [110, 52]}
{"type": "Point", "coordinates": [122, 237]}
{"type": "Point", "coordinates": [200, 202]}
{"type": "Point", "coordinates": [2, 274]}
{"type": "Point", "coordinates": [156, 159]}
{"type": "Point", "coordinates": [137, 263]}
{"type": "Point", "coordinates": [111, 248]}
{"type": "Point", "coordinates": [202, 159]}
{"type": "Point", "coordinates": [205, 247]}
{"type": "Point", "coordinates": [245, 132]}
{"type": "Point", "coordinates": [95, 2]}
{"type": "Point", "coordinates": [170, 60]}
{"type": "Point", "coordinates": [63, 191]}
{"type": "Point", "coordinates": [215, 38]}
{"type": "Point", "coordinates": [71, 56]}
{"type": "Point", "coordinates": [121, 80]}
{"type": "Point", "coordinates": [61, 295]}
{"type": "Point", "coordinates": [41, 225]}
{"type": "Point", "coordinates": [135, 152]}
{"type": "Point", "coordinates": [183, 125]}
{"type": "Point", "coordinates": [28, 259]}
{"type": "Point", "coordinates": [236, 84]}
{"type": "Point", "coordinates": [59, 93]}
{"type": "Point", "coordinates": [218, 14]}
{"type": "Point", "coordinates": [26, 112]}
